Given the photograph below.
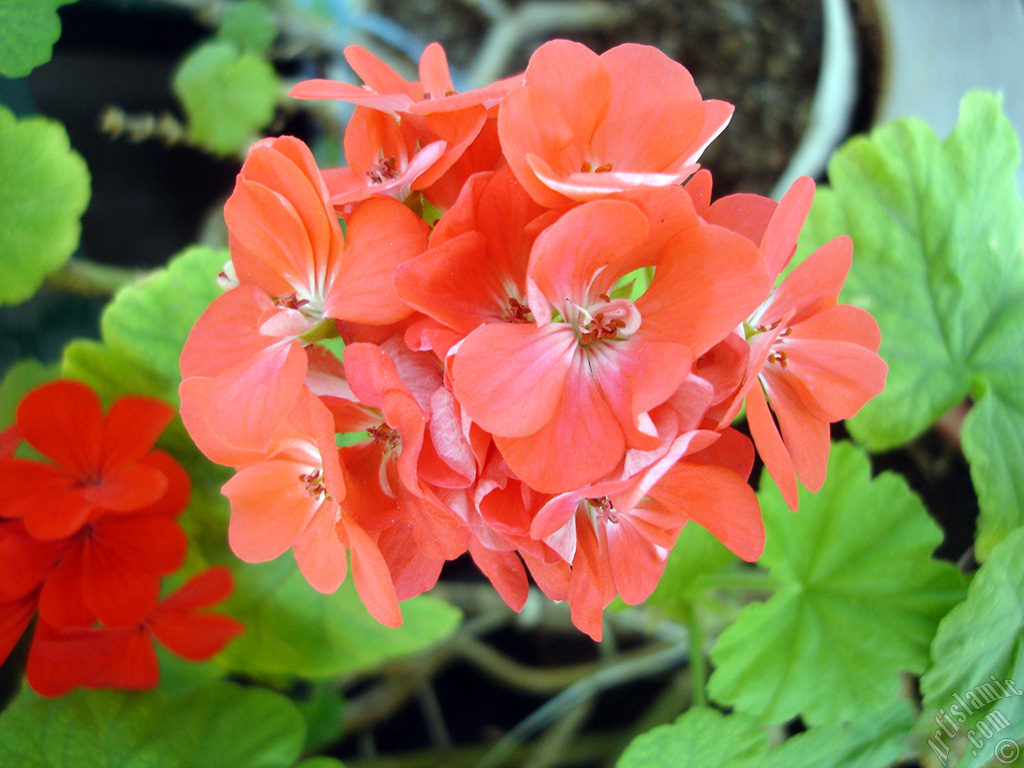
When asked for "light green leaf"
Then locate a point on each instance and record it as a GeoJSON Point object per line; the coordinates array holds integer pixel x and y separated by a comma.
{"type": "Point", "coordinates": [228, 94]}
{"type": "Point", "coordinates": [144, 329]}
{"type": "Point", "coordinates": [857, 602]}
{"type": "Point", "coordinates": [31, 27]}
{"type": "Point", "coordinates": [320, 762]}
{"type": "Point", "coordinates": [938, 232]}
{"type": "Point", "coordinates": [291, 629]}
{"type": "Point", "coordinates": [44, 189]}
{"type": "Point", "coordinates": [249, 24]}
{"type": "Point", "coordinates": [210, 727]}
{"type": "Point", "coordinates": [700, 738]}
{"type": "Point", "coordinates": [978, 657]}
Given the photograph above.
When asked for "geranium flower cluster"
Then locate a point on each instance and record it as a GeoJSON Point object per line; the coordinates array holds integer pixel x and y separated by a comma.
{"type": "Point", "coordinates": [516, 325]}
{"type": "Point", "coordinates": [86, 539]}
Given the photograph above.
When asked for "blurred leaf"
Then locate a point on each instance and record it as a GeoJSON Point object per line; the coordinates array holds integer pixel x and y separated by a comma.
{"type": "Point", "coordinates": [858, 600]}
{"type": "Point", "coordinates": [144, 329]}
{"type": "Point", "coordinates": [320, 762]}
{"type": "Point", "coordinates": [210, 727]}
{"type": "Point", "coordinates": [696, 557]}
{"type": "Point", "coordinates": [938, 232]}
{"type": "Point", "coordinates": [323, 710]}
{"type": "Point", "coordinates": [44, 189]}
{"type": "Point", "coordinates": [700, 738]}
{"type": "Point", "coordinates": [250, 25]}
{"type": "Point", "coordinates": [31, 27]}
{"type": "Point", "coordinates": [978, 654]}
{"type": "Point", "coordinates": [228, 94]}
{"type": "Point", "coordinates": [291, 629]}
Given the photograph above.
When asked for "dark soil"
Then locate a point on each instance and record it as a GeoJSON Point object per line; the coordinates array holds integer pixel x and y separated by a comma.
{"type": "Point", "coordinates": [760, 55]}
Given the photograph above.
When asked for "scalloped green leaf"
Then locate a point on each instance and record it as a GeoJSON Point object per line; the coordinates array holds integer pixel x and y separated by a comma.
{"type": "Point", "coordinates": [143, 331]}
{"type": "Point", "coordinates": [291, 629]}
{"type": "Point", "coordinates": [31, 27]}
{"type": "Point", "coordinates": [977, 674]}
{"type": "Point", "coordinates": [228, 93]}
{"type": "Point", "coordinates": [858, 599]}
{"type": "Point", "coordinates": [706, 738]}
{"type": "Point", "coordinates": [700, 738]}
{"type": "Point", "coordinates": [44, 189]}
{"type": "Point", "coordinates": [209, 727]}
{"type": "Point", "coordinates": [938, 233]}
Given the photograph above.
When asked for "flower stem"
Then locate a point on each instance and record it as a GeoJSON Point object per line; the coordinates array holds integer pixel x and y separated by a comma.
{"type": "Point", "coordinates": [87, 278]}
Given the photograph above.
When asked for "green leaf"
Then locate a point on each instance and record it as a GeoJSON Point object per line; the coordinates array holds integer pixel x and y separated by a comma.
{"type": "Point", "coordinates": [44, 189]}
{"type": "Point", "coordinates": [144, 329]}
{"type": "Point", "coordinates": [210, 727]}
{"type": "Point", "coordinates": [875, 740]}
{"type": "Point", "coordinates": [858, 600]}
{"type": "Point", "coordinates": [228, 94]}
{"type": "Point", "coordinates": [938, 232]}
{"type": "Point", "coordinates": [700, 738]}
{"type": "Point", "coordinates": [291, 629]}
{"type": "Point", "coordinates": [978, 656]}
{"type": "Point", "coordinates": [31, 27]}
{"type": "Point", "coordinates": [320, 762]}
{"type": "Point", "coordinates": [250, 25]}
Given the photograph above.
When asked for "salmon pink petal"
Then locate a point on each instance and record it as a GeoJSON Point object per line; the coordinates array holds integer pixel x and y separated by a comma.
{"type": "Point", "coordinates": [706, 283]}
{"type": "Point", "coordinates": [413, 568]}
{"type": "Point", "coordinates": [655, 113]}
{"type": "Point", "coordinates": [590, 588]}
{"type": "Point", "coordinates": [506, 573]}
{"type": "Point", "coordinates": [717, 115]}
{"type": "Point", "coordinates": [716, 499]}
{"type": "Point", "coordinates": [582, 186]}
{"type": "Point", "coordinates": [434, 75]}
{"type": "Point", "coordinates": [319, 552]}
{"type": "Point", "coordinates": [770, 446]}
{"type": "Point", "coordinates": [813, 286]}
{"type": "Point", "coordinates": [532, 124]}
{"type": "Point", "coordinates": [581, 443]}
{"type": "Point", "coordinates": [779, 240]}
{"type": "Point", "coordinates": [743, 213]}
{"type": "Point", "coordinates": [806, 436]}
{"type": "Point", "coordinates": [332, 90]}
{"type": "Point", "coordinates": [635, 562]}
{"type": "Point", "coordinates": [833, 378]}
{"type": "Point", "coordinates": [382, 234]}
{"type": "Point", "coordinates": [509, 378]}
{"type": "Point", "coordinates": [270, 507]}
{"type": "Point", "coordinates": [63, 420]}
{"type": "Point", "coordinates": [372, 578]}
{"type": "Point", "coordinates": [585, 252]}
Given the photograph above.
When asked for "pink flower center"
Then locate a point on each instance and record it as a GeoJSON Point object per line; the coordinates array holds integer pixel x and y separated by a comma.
{"type": "Point", "coordinates": [603, 510]}
{"type": "Point", "coordinates": [613, 319]}
{"type": "Point", "coordinates": [315, 485]}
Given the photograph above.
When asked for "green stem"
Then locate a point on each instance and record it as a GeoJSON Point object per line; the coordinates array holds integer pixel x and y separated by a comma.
{"type": "Point", "coordinates": [698, 664]}
{"type": "Point", "coordinates": [88, 278]}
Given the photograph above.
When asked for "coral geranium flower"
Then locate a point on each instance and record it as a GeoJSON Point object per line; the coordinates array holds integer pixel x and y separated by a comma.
{"type": "Point", "coordinates": [585, 126]}
{"type": "Point", "coordinates": [567, 394]}
{"type": "Point", "coordinates": [97, 460]}
{"type": "Point", "coordinates": [813, 360]}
